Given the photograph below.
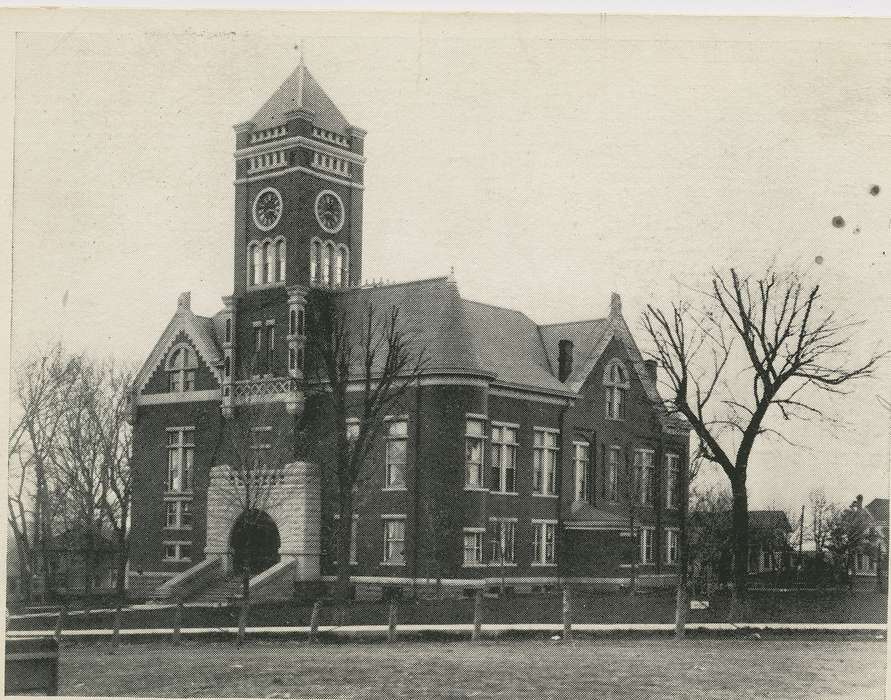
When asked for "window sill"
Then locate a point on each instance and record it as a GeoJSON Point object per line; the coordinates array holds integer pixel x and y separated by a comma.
{"type": "Point", "coordinates": [498, 564]}
{"type": "Point", "coordinates": [505, 493]}
{"type": "Point", "coordinates": [392, 563]}
{"type": "Point", "coordinates": [476, 488]}
{"type": "Point", "coordinates": [545, 495]}
{"type": "Point", "coordinates": [539, 564]}
{"type": "Point", "coordinates": [471, 565]}
{"type": "Point", "coordinates": [394, 488]}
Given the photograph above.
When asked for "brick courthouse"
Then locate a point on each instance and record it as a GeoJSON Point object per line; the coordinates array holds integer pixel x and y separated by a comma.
{"type": "Point", "coordinates": [521, 452]}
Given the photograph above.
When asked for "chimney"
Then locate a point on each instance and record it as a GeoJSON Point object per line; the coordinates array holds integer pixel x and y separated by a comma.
{"type": "Point", "coordinates": [858, 504]}
{"type": "Point", "coordinates": [564, 360]}
{"type": "Point", "coordinates": [615, 305]}
{"type": "Point", "coordinates": [650, 366]}
{"type": "Point", "coordinates": [184, 301]}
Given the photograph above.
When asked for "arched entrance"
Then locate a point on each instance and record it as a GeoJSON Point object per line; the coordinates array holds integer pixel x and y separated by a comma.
{"type": "Point", "coordinates": [254, 542]}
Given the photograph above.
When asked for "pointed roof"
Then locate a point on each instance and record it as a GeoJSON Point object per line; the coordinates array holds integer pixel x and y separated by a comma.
{"type": "Point", "coordinates": [300, 91]}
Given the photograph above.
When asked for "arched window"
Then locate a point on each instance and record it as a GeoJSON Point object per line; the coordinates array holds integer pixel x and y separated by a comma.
{"type": "Point", "coordinates": [343, 264]}
{"type": "Point", "coordinates": [615, 381]}
{"type": "Point", "coordinates": [315, 262]}
{"type": "Point", "coordinates": [268, 262]}
{"type": "Point", "coordinates": [280, 260]}
{"type": "Point", "coordinates": [181, 368]}
{"type": "Point", "coordinates": [227, 367]}
{"type": "Point", "coordinates": [256, 265]}
{"type": "Point", "coordinates": [328, 265]}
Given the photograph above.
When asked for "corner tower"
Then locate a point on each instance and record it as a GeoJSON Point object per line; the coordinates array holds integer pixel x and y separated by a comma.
{"type": "Point", "coordinates": [298, 221]}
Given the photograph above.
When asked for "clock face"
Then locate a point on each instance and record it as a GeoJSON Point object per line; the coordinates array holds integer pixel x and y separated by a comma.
{"type": "Point", "coordinates": [329, 211]}
{"type": "Point", "coordinates": [267, 209]}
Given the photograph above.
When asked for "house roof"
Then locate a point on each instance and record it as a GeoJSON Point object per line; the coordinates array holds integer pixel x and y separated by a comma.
{"type": "Point", "coordinates": [769, 520]}
{"type": "Point", "coordinates": [878, 509]}
{"type": "Point", "coordinates": [300, 91]}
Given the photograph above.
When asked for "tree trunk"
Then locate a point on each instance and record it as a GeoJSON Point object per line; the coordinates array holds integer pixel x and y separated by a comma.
{"type": "Point", "coordinates": [740, 542]}
{"type": "Point", "coordinates": [344, 539]}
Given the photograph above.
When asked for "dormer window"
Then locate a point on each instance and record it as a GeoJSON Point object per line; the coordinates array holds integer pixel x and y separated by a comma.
{"type": "Point", "coordinates": [615, 381]}
{"type": "Point", "coordinates": [181, 369]}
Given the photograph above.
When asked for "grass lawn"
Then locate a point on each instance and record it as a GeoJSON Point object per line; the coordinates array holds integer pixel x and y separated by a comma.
{"type": "Point", "coordinates": [614, 668]}
{"type": "Point", "coordinates": [845, 606]}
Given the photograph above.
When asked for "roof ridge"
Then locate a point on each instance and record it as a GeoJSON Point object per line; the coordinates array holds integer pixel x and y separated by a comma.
{"type": "Point", "coordinates": [392, 284]}
{"type": "Point", "coordinates": [570, 323]}
{"type": "Point", "coordinates": [498, 306]}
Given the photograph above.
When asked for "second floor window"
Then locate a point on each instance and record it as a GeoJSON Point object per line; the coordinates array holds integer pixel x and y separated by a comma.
{"type": "Point", "coordinates": [397, 444]}
{"type": "Point", "coordinates": [504, 459]}
{"type": "Point", "coordinates": [474, 453]}
{"type": "Point", "coordinates": [672, 480]}
{"type": "Point", "coordinates": [645, 475]}
{"type": "Point", "coordinates": [611, 474]}
{"type": "Point", "coordinates": [582, 468]}
{"type": "Point", "coordinates": [544, 462]}
{"type": "Point", "coordinates": [180, 458]}
{"type": "Point", "coordinates": [181, 369]}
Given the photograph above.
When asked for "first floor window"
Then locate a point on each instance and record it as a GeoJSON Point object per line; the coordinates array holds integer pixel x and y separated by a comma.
{"type": "Point", "coordinates": [394, 541]}
{"type": "Point", "coordinates": [504, 459]}
{"type": "Point", "coordinates": [647, 537]}
{"type": "Point", "coordinates": [180, 458]}
{"type": "Point", "coordinates": [545, 543]}
{"type": "Point", "coordinates": [474, 452]}
{"type": "Point", "coordinates": [177, 551]}
{"type": "Point", "coordinates": [397, 444]}
{"type": "Point", "coordinates": [473, 547]}
{"type": "Point", "coordinates": [544, 463]}
{"type": "Point", "coordinates": [582, 466]}
{"type": "Point", "coordinates": [672, 546]}
{"type": "Point", "coordinates": [672, 479]}
{"type": "Point", "coordinates": [503, 541]}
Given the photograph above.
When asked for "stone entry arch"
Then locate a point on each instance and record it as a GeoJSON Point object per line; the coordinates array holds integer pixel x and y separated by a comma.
{"type": "Point", "coordinates": [254, 542]}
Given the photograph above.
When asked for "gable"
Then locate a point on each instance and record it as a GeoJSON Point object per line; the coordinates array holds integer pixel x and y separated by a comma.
{"type": "Point", "coordinates": [205, 377]}
{"type": "Point", "coordinates": [197, 332]}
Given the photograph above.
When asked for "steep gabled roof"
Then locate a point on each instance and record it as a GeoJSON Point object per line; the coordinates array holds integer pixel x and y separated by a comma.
{"type": "Point", "coordinates": [199, 329]}
{"type": "Point", "coordinates": [769, 520]}
{"type": "Point", "coordinates": [300, 91]}
{"type": "Point", "coordinates": [878, 509]}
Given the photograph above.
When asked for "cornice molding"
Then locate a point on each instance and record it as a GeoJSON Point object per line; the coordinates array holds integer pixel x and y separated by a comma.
{"type": "Point", "coordinates": [300, 169]}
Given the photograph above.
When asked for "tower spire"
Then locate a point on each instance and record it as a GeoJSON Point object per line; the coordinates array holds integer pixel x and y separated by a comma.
{"type": "Point", "coordinates": [301, 71]}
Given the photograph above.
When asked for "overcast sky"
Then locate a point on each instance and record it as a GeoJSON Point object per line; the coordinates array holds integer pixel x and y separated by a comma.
{"type": "Point", "coordinates": [550, 161]}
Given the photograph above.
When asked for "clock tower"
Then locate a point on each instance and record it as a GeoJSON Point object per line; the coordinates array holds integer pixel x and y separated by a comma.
{"type": "Point", "coordinates": [298, 223]}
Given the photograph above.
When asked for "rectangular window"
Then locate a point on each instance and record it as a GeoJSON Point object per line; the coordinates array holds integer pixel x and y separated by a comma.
{"type": "Point", "coordinates": [177, 551]}
{"type": "Point", "coordinates": [672, 480]}
{"type": "Point", "coordinates": [270, 346]}
{"type": "Point", "coordinates": [397, 444]}
{"type": "Point", "coordinates": [647, 537]}
{"type": "Point", "coordinates": [503, 541]}
{"type": "Point", "coordinates": [473, 547]}
{"type": "Point", "coordinates": [614, 455]}
{"type": "Point", "coordinates": [178, 514]}
{"type": "Point", "coordinates": [582, 469]}
{"type": "Point", "coordinates": [645, 474]}
{"type": "Point", "coordinates": [672, 546]}
{"type": "Point", "coordinates": [504, 458]}
{"type": "Point", "coordinates": [394, 541]}
{"type": "Point", "coordinates": [261, 448]}
{"type": "Point", "coordinates": [474, 453]}
{"type": "Point", "coordinates": [545, 552]}
{"type": "Point", "coordinates": [544, 464]}
{"type": "Point", "coordinates": [180, 458]}
{"type": "Point", "coordinates": [615, 402]}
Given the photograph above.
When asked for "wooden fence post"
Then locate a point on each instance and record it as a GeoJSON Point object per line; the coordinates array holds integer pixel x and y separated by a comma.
{"type": "Point", "coordinates": [314, 622]}
{"type": "Point", "coordinates": [567, 615]}
{"type": "Point", "coordinates": [177, 620]}
{"type": "Point", "coordinates": [477, 614]}
{"type": "Point", "coordinates": [60, 622]}
{"type": "Point", "coordinates": [391, 628]}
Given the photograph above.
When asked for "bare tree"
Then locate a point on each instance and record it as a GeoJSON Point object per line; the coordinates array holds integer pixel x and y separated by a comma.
{"type": "Point", "coordinates": [775, 330]}
{"type": "Point", "coordinates": [41, 393]}
{"type": "Point", "coordinates": [355, 342]}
